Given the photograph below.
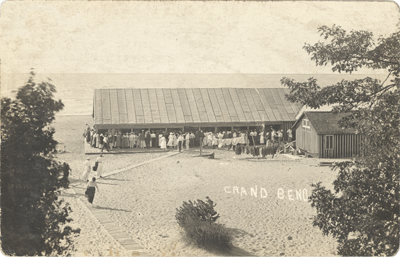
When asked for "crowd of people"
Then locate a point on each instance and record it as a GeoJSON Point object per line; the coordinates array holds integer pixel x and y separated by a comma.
{"type": "Point", "coordinates": [255, 142]}
{"type": "Point", "coordinates": [113, 138]}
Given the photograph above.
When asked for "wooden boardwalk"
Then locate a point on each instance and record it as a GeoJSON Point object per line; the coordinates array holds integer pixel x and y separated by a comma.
{"type": "Point", "coordinates": [115, 231]}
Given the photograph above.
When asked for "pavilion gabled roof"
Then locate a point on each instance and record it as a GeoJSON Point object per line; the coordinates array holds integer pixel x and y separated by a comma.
{"type": "Point", "coordinates": [192, 105]}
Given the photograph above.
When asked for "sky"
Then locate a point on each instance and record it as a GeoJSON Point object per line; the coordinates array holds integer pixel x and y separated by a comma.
{"type": "Point", "coordinates": [231, 39]}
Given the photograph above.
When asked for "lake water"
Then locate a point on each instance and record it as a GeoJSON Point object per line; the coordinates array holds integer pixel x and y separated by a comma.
{"type": "Point", "coordinates": [76, 89]}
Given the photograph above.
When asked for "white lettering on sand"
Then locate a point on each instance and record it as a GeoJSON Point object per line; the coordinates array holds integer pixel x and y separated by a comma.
{"type": "Point", "coordinates": [281, 193]}
{"type": "Point", "coordinates": [242, 190]}
{"type": "Point", "coordinates": [253, 191]}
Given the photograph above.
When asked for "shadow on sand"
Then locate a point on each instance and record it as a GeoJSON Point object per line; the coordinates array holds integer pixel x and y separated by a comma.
{"type": "Point", "coordinates": [73, 180]}
{"type": "Point", "coordinates": [70, 195]}
{"type": "Point", "coordinates": [104, 183]}
{"type": "Point", "coordinates": [116, 179]}
{"type": "Point", "coordinates": [233, 250]}
{"type": "Point", "coordinates": [110, 209]}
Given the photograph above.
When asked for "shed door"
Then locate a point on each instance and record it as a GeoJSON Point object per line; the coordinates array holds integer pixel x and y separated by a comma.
{"type": "Point", "coordinates": [328, 147]}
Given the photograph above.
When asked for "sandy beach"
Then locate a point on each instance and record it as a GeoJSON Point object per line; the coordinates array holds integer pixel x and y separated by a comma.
{"type": "Point", "coordinates": [262, 201]}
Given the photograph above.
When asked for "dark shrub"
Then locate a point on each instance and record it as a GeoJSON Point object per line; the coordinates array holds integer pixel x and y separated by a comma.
{"type": "Point", "coordinates": [207, 235]}
{"type": "Point", "coordinates": [199, 210]}
{"type": "Point", "coordinates": [199, 228]}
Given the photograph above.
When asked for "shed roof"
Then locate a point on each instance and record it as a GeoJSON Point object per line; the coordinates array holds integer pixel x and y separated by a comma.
{"type": "Point", "coordinates": [326, 123]}
{"type": "Point", "coordinates": [191, 105]}
{"type": "Point", "coordinates": [305, 108]}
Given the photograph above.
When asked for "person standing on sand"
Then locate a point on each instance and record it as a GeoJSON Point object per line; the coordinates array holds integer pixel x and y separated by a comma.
{"type": "Point", "coordinates": [273, 135]}
{"type": "Point", "coordinates": [131, 140]}
{"type": "Point", "coordinates": [290, 135]}
{"type": "Point", "coordinates": [105, 143]}
{"type": "Point", "coordinates": [86, 169]}
{"type": "Point", "coordinates": [99, 161]}
{"type": "Point", "coordinates": [147, 139]}
{"type": "Point", "coordinates": [187, 141]}
{"type": "Point", "coordinates": [135, 140]}
{"type": "Point", "coordinates": [141, 139]}
{"type": "Point", "coordinates": [163, 142]}
{"type": "Point", "coordinates": [180, 142]}
{"type": "Point", "coordinates": [267, 139]}
{"type": "Point", "coordinates": [191, 136]}
{"type": "Point", "coordinates": [110, 141]}
{"type": "Point", "coordinates": [175, 140]}
{"type": "Point", "coordinates": [118, 141]}
{"type": "Point", "coordinates": [97, 140]}
{"type": "Point", "coordinates": [91, 189]}
{"type": "Point", "coordinates": [262, 137]}
{"type": "Point", "coordinates": [170, 140]}
{"type": "Point", "coordinates": [157, 140]}
{"type": "Point", "coordinates": [153, 139]}
{"type": "Point", "coordinates": [280, 136]}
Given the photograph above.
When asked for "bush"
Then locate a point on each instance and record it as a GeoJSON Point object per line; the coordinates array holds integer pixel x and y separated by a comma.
{"type": "Point", "coordinates": [207, 235]}
{"type": "Point", "coordinates": [197, 219]}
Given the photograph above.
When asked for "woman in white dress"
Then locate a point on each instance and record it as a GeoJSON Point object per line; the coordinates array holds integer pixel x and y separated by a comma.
{"type": "Point", "coordinates": [187, 141]}
{"type": "Point", "coordinates": [220, 140]}
{"type": "Point", "coordinates": [262, 137]}
{"type": "Point", "coordinates": [131, 140]}
{"type": "Point", "coordinates": [210, 139]}
{"type": "Point", "coordinates": [174, 140]}
{"type": "Point", "coordinates": [99, 161]}
{"type": "Point", "coordinates": [242, 139]}
{"type": "Point", "coordinates": [215, 140]}
{"type": "Point", "coordinates": [86, 169]}
{"type": "Point", "coordinates": [170, 140]}
{"type": "Point", "coordinates": [135, 140]}
{"type": "Point", "coordinates": [97, 140]}
{"type": "Point", "coordinates": [163, 142]}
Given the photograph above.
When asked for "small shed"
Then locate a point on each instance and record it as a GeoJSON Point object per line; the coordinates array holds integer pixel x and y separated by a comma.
{"type": "Point", "coordinates": [319, 133]}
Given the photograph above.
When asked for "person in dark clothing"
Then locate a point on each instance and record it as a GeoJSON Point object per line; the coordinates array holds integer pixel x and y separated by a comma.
{"type": "Point", "coordinates": [153, 139]}
{"type": "Point", "coordinates": [91, 189]}
{"type": "Point", "coordinates": [101, 138]}
{"type": "Point", "coordinates": [147, 139]}
{"type": "Point", "coordinates": [157, 141]}
{"type": "Point", "coordinates": [88, 135]}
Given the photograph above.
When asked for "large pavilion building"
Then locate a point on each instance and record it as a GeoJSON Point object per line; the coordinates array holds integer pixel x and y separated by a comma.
{"type": "Point", "coordinates": [189, 109]}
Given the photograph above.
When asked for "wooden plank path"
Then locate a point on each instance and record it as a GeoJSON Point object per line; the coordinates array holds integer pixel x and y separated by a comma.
{"type": "Point", "coordinates": [113, 229]}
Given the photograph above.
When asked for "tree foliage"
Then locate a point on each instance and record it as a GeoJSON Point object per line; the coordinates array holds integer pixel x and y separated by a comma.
{"type": "Point", "coordinates": [33, 220]}
{"type": "Point", "coordinates": [362, 212]}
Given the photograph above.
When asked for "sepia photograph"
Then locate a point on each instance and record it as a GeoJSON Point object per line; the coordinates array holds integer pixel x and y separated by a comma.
{"type": "Point", "coordinates": [200, 128]}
